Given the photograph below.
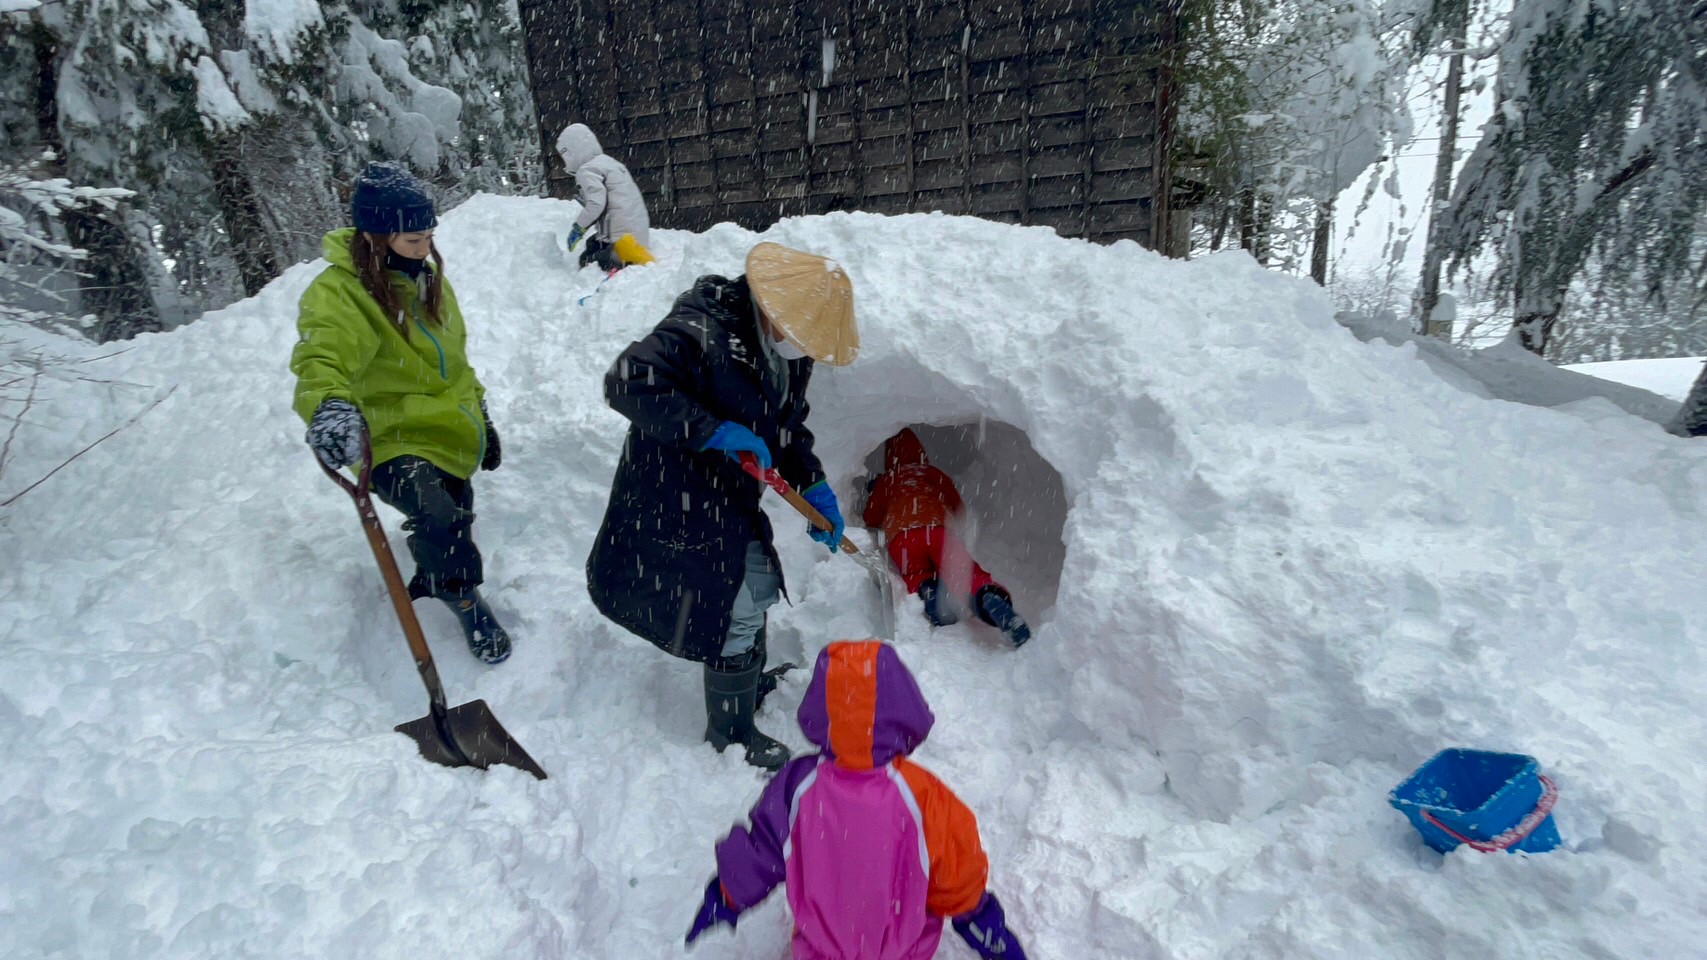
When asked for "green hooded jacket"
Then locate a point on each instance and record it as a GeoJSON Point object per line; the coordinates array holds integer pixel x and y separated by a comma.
{"type": "Point", "coordinates": [419, 395]}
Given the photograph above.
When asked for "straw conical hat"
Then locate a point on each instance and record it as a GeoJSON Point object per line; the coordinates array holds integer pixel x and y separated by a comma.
{"type": "Point", "coordinates": [808, 298]}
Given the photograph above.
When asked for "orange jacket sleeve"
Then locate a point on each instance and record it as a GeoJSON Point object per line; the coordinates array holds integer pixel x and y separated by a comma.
{"type": "Point", "coordinates": [959, 869]}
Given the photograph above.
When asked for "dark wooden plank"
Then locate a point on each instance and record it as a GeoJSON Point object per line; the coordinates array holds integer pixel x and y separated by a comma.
{"type": "Point", "coordinates": [997, 138]}
{"type": "Point", "coordinates": [1057, 191]}
{"type": "Point", "coordinates": [940, 145]}
{"type": "Point", "coordinates": [879, 122]}
{"type": "Point", "coordinates": [693, 175]}
{"type": "Point", "coordinates": [885, 151]}
{"type": "Point", "coordinates": [732, 143]}
{"type": "Point", "coordinates": [992, 198]}
{"type": "Point", "coordinates": [1136, 184]}
{"type": "Point", "coordinates": [1126, 153]}
{"type": "Point", "coordinates": [996, 168]}
{"type": "Point", "coordinates": [1053, 98]}
{"type": "Point", "coordinates": [882, 181]}
{"type": "Point", "coordinates": [694, 148]}
{"type": "Point", "coordinates": [939, 174]}
{"type": "Point", "coordinates": [887, 203]}
{"type": "Point", "coordinates": [997, 76]}
{"type": "Point", "coordinates": [1132, 219]}
{"type": "Point", "coordinates": [649, 128]}
{"type": "Point", "coordinates": [952, 201]}
{"type": "Point", "coordinates": [1057, 131]}
{"type": "Point", "coordinates": [1057, 162]}
{"type": "Point", "coordinates": [939, 115]}
{"type": "Point", "coordinates": [1137, 120]}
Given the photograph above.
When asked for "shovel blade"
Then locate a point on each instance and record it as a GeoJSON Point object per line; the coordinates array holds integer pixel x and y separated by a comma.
{"type": "Point", "coordinates": [468, 736]}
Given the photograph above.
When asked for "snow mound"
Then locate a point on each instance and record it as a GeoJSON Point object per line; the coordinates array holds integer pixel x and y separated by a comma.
{"type": "Point", "coordinates": [1280, 568]}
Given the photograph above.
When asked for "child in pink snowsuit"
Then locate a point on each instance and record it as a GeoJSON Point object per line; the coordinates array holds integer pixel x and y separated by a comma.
{"type": "Point", "coordinates": [874, 850]}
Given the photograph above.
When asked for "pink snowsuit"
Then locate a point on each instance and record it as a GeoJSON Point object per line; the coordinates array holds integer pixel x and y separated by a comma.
{"type": "Point", "coordinates": [874, 849]}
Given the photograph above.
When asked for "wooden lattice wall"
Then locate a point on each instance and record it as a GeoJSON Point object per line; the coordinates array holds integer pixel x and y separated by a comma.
{"type": "Point", "coordinates": [1034, 111]}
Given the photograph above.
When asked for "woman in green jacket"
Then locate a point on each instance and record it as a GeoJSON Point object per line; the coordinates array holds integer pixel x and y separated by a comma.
{"type": "Point", "coordinates": [381, 358]}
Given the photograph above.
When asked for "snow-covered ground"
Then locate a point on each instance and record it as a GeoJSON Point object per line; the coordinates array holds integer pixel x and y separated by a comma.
{"type": "Point", "coordinates": [1670, 377]}
{"type": "Point", "coordinates": [1287, 566]}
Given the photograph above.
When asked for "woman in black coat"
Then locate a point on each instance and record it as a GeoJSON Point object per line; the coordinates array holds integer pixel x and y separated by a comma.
{"type": "Point", "coordinates": [684, 558]}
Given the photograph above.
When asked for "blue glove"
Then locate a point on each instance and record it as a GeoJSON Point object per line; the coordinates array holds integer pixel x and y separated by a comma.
{"type": "Point", "coordinates": [714, 911]}
{"type": "Point", "coordinates": [986, 931]}
{"type": "Point", "coordinates": [575, 237]}
{"type": "Point", "coordinates": [734, 439]}
{"type": "Point", "coordinates": [821, 497]}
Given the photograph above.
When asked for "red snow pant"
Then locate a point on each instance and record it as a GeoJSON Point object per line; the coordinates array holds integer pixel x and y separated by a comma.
{"type": "Point", "coordinates": [925, 553]}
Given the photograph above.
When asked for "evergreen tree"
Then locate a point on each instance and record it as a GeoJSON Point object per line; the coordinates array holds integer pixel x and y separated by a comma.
{"type": "Point", "coordinates": [238, 124]}
{"type": "Point", "coordinates": [1595, 149]}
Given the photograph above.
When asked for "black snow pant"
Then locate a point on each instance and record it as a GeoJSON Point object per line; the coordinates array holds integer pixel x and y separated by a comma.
{"type": "Point", "coordinates": [440, 519]}
{"type": "Point", "coordinates": [602, 253]}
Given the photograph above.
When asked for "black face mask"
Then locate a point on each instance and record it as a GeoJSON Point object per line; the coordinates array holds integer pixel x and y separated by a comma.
{"type": "Point", "coordinates": [404, 265]}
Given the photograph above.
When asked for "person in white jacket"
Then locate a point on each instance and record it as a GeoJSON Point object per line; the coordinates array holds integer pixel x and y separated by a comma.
{"type": "Point", "coordinates": [610, 199]}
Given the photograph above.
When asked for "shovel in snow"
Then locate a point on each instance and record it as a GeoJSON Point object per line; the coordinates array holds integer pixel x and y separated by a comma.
{"type": "Point", "coordinates": [872, 563]}
{"type": "Point", "coordinates": [464, 736]}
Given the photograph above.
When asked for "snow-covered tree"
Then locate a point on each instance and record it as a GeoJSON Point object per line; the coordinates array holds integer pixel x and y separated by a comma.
{"type": "Point", "coordinates": [1596, 150]}
{"type": "Point", "coordinates": [1284, 106]}
{"type": "Point", "coordinates": [39, 263]}
{"type": "Point", "coordinates": [237, 125]}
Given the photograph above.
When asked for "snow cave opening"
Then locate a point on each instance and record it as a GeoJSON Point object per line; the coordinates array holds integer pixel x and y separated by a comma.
{"type": "Point", "coordinates": [1016, 505]}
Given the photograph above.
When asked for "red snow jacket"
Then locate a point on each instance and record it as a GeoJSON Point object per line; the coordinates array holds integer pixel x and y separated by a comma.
{"type": "Point", "coordinates": [909, 492]}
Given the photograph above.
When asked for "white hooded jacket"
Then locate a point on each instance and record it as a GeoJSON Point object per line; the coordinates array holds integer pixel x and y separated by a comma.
{"type": "Point", "coordinates": [607, 191]}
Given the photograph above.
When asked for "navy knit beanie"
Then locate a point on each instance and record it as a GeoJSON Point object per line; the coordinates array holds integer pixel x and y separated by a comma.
{"type": "Point", "coordinates": [387, 199]}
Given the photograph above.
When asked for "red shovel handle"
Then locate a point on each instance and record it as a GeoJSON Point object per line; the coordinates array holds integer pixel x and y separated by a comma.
{"type": "Point", "coordinates": [388, 570]}
{"type": "Point", "coordinates": [1512, 837]}
{"type": "Point", "coordinates": [774, 480]}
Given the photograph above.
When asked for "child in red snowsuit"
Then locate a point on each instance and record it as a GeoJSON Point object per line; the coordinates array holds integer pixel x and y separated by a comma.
{"type": "Point", "coordinates": [913, 501]}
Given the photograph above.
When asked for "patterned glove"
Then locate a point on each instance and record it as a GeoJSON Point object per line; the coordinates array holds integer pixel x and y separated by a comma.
{"type": "Point", "coordinates": [575, 237]}
{"type": "Point", "coordinates": [821, 497]}
{"type": "Point", "coordinates": [712, 911]}
{"type": "Point", "coordinates": [494, 450]}
{"type": "Point", "coordinates": [733, 439]}
{"type": "Point", "coordinates": [336, 432]}
{"type": "Point", "coordinates": [986, 931]}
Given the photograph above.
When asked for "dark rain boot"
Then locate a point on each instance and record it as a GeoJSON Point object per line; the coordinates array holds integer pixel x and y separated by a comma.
{"type": "Point", "coordinates": [938, 610]}
{"type": "Point", "coordinates": [996, 608]}
{"type": "Point", "coordinates": [768, 675]}
{"type": "Point", "coordinates": [486, 638]}
{"type": "Point", "coordinates": [731, 697]}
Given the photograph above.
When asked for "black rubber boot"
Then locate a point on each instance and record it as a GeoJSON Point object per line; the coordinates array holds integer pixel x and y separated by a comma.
{"type": "Point", "coordinates": [996, 608]}
{"type": "Point", "coordinates": [938, 610]}
{"type": "Point", "coordinates": [486, 638]}
{"type": "Point", "coordinates": [768, 675]}
{"type": "Point", "coordinates": [731, 698]}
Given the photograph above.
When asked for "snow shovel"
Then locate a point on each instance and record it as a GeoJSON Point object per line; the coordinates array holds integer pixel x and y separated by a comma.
{"type": "Point", "coordinates": [872, 563]}
{"type": "Point", "coordinates": [464, 736]}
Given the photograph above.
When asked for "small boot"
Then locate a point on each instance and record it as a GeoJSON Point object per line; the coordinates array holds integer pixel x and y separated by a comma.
{"type": "Point", "coordinates": [996, 608]}
{"type": "Point", "coordinates": [731, 697]}
{"type": "Point", "coordinates": [486, 638]}
{"type": "Point", "coordinates": [768, 675]}
{"type": "Point", "coordinates": [938, 610]}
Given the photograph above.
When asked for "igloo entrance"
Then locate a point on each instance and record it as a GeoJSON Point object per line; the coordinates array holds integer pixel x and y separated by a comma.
{"type": "Point", "coordinates": [1016, 505]}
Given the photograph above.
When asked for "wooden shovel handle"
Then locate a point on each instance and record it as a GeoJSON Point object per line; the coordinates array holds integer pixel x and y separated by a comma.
{"type": "Point", "coordinates": [394, 585]}
{"type": "Point", "coordinates": [774, 480]}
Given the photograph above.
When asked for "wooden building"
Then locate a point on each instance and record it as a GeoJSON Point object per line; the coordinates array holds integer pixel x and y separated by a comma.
{"type": "Point", "coordinates": [1048, 112]}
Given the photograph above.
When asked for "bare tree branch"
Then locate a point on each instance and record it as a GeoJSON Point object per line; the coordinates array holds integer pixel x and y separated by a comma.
{"type": "Point", "coordinates": [15, 497]}
{"type": "Point", "coordinates": [29, 401]}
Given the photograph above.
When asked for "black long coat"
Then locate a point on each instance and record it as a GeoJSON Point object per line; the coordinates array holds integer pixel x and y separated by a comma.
{"type": "Point", "coordinates": [670, 556]}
